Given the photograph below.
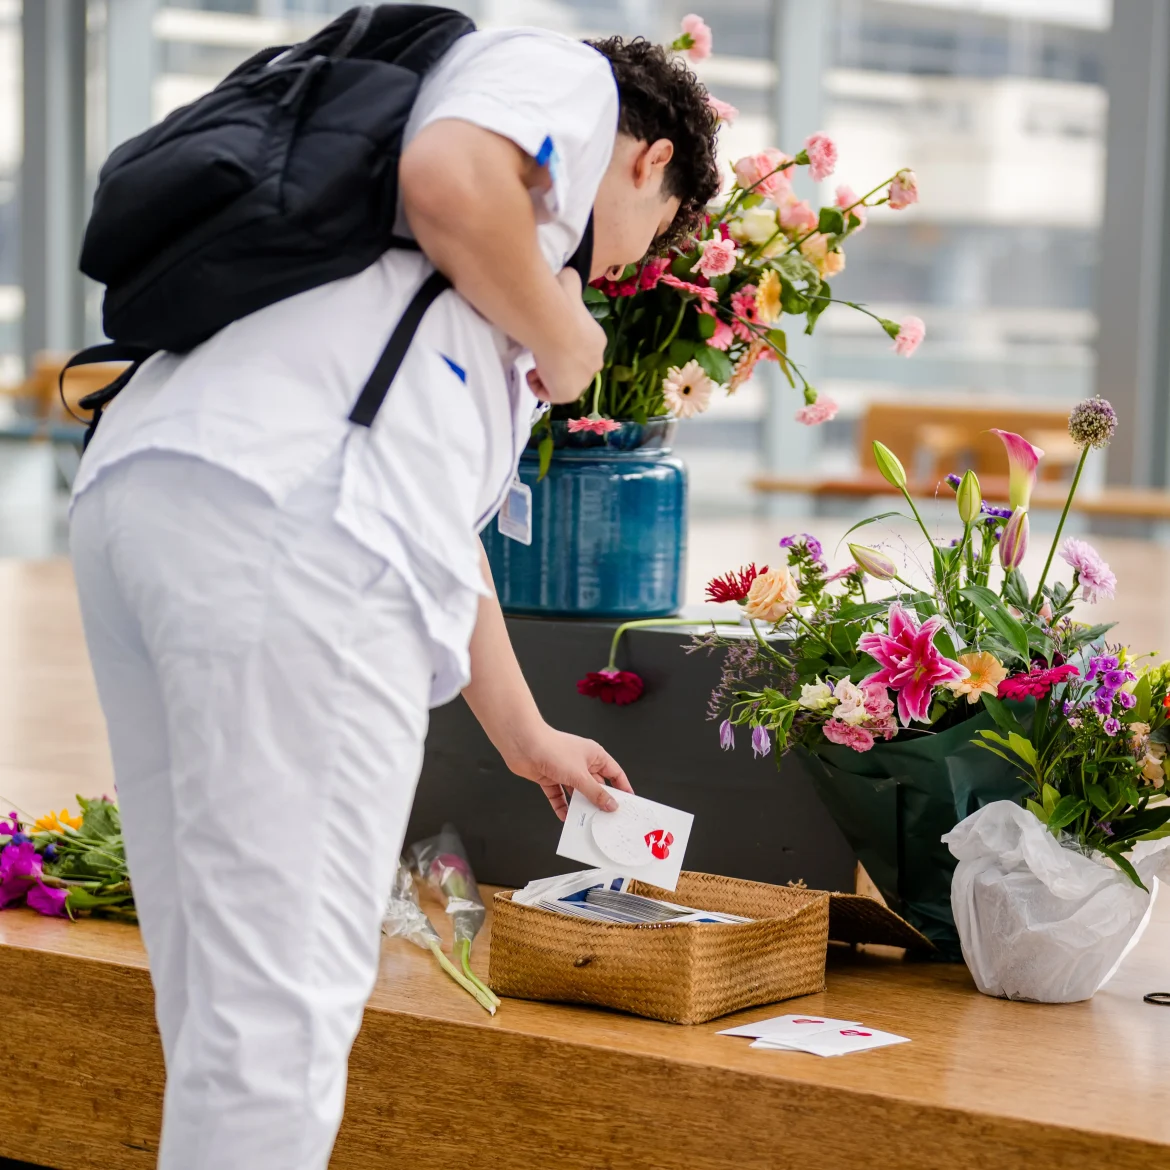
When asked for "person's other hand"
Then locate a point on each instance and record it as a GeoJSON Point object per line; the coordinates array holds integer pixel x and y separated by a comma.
{"type": "Point", "coordinates": [557, 760]}
{"type": "Point", "coordinates": [564, 372]}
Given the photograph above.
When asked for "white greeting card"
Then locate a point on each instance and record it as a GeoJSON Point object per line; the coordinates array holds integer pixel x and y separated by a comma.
{"type": "Point", "coordinates": [834, 1041]}
{"type": "Point", "coordinates": [785, 1027]}
{"type": "Point", "coordinates": [641, 839]}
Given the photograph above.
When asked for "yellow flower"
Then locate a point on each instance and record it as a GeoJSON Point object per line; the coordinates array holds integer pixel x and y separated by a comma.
{"type": "Point", "coordinates": [986, 673]}
{"type": "Point", "coordinates": [768, 298]}
{"type": "Point", "coordinates": [54, 822]}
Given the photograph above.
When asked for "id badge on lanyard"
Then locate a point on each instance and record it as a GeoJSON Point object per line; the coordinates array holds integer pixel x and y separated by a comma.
{"type": "Point", "coordinates": [515, 518]}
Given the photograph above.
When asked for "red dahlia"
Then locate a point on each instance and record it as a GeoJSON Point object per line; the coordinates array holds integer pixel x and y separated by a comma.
{"type": "Point", "coordinates": [611, 686]}
{"type": "Point", "coordinates": [733, 586]}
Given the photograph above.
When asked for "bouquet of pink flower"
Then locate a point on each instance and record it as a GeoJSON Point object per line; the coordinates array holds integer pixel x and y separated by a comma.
{"type": "Point", "coordinates": [704, 315]}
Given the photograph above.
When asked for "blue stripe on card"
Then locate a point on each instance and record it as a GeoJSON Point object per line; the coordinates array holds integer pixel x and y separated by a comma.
{"type": "Point", "coordinates": [460, 372]}
{"type": "Point", "coordinates": [545, 152]}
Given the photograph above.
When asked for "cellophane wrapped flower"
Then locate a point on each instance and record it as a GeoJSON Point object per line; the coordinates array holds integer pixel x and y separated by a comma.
{"type": "Point", "coordinates": [441, 861]}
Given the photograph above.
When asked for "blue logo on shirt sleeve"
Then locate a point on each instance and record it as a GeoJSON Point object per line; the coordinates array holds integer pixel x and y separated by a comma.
{"type": "Point", "coordinates": [460, 372]}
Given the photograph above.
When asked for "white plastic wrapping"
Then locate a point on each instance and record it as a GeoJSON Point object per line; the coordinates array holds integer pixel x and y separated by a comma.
{"type": "Point", "coordinates": [1038, 920]}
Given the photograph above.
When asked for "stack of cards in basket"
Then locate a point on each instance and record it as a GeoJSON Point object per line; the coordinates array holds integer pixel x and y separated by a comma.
{"type": "Point", "coordinates": [641, 839]}
{"type": "Point", "coordinates": [818, 1035]}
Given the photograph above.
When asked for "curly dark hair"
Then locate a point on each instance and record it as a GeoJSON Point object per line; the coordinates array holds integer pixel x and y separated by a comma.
{"type": "Point", "coordinates": [661, 98]}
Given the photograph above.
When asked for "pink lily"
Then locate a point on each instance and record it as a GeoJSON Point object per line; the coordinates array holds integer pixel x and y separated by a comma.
{"type": "Point", "coordinates": [1023, 460]}
{"type": "Point", "coordinates": [910, 663]}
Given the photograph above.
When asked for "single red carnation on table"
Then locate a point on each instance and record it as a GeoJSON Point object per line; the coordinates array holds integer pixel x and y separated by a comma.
{"type": "Point", "coordinates": [611, 686]}
{"type": "Point", "coordinates": [733, 586]}
{"type": "Point", "coordinates": [1036, 683]}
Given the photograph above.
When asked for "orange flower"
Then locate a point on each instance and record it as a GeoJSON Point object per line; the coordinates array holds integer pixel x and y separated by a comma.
{"type": "Point", "coordinates": [53, 822]}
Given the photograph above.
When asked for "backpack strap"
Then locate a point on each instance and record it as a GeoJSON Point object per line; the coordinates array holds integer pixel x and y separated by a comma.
{"type": "Point", "coordinates": [378, 384]}
{"type": "Point", "coordinates": [98, 400]}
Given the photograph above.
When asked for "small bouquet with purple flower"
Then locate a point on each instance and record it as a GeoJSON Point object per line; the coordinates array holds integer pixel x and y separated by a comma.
{"type": "Point", "coordinates": [62, 864]}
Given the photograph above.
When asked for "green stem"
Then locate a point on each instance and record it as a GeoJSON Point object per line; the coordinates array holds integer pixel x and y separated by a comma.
{"type": "Point", "coordinates": [465, 958]}
{"type": "Point", "coordinates": [596, 391]}
{"type": "Point", "coordinates": [650, 623]}
{"type": "Point", "coordinates": [1072, 491]}
{"type": "Point", "coordinates": [471, 989]}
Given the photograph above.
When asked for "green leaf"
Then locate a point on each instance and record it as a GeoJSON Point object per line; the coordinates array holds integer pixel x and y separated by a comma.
{"type": "Point", "coordinates": [1098, 799]}
{"type": "Point", "coordinates": [682, 266]}
{"type": "Point", "coordinates": [817, 306]}
{"type": "Point", "coordinates": [1015, 590]}
{"type": "Point", "coordinates": [707, 323]}
{"type": "Point", "coordinates": [946, 644]}
{"type": "Point", "coordinates": [1144, 696]}
{"type": "Point", "coordinates": [752, 200]}
{"type": "Point", "coordinates": [998, 617]}
{"type": "Point", "coordinates": [1156, 835]}
{"type": "Point", "coordinates": [1067, 809]}
{"type": "Point", "coordinates": [792, 301]}
{"type": "Point", "coordinates": [873, 520]}
{"type": "Point", "coordinates": [593, 296]}
{"type": "Point", "coordinates": [99, 818]}
{"type": "Point", "coordinates": [1124, 865]}
{"type": "Point", "coordinates": [779, 339]}
{"type": "Point", "coordinates": [1079, 637]}
{"type": "Point", "coordinates": [831, 221]}
{"type": "Point", "coordinates": [715, 362]}
{"type": "Point", "coordinates": [1037, 811]}
{"type": "Point", "coordinates": [996, 752]}
{"type": "Point", "coordinates": [81, 899]}
{"type": "Point", "coordinates": [1002, 714]}
{"type": "Point", "coordinates": [1050, 798]}
{"type": "Point", "coordinates": [1161, 734]}
{"type": "Point", "coordinates": [681, 351]}
{"type": "Point", "coordinates": [545, 450]}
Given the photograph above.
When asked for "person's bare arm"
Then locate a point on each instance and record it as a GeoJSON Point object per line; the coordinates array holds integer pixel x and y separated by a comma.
{"type": "Point", "coordinates": [466, 197]}
{"type": "Point", "coordinates": [500, 699]}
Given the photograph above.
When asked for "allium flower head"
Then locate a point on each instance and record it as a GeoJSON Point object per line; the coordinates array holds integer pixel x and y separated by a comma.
{"type": "Point", "coordinates": [1092, 423]}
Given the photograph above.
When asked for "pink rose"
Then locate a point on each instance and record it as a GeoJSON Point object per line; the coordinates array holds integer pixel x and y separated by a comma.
{"type": "Point", "coordinates": [695, 27]}
{"type": "Point", "coordinates": [724, 112]}
{"type": "Point", "coordinates": [718, 258]}
{"type": "Point", "coordinates": [846, 198]}
{"type": "Point", "coordinates": [909, 336]}
{"type": "Point", "coordinates": [796, 215]}
{"type": "Point", "coordinates": [819, 412]}
{"type": "Point", "coordinates": [903, 190]}
{"type": "Point", "coordinates": [856, 738]}
{"type": "Point", "coordinates": [822, 156]}
{"type": "Point", "coordinates": [759, 173]}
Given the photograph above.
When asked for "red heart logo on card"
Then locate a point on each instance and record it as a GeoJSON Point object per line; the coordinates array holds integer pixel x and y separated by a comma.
{"type": "Point", "coordinates": [854, 1032]}
{"type": "Point", "coordinates": [660, 841]}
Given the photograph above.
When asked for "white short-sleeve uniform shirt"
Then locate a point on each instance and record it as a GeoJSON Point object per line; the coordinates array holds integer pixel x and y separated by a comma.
{"type": "Point", "coordinates": [269, 396]}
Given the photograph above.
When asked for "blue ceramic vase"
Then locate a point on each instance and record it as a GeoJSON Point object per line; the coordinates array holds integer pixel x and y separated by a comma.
{"type": "Point", "coordinates": [608, 528]}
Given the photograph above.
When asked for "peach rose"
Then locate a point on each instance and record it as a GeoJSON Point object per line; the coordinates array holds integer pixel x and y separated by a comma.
{"type": "Point", "coordinates": [773, 595]}
{"type": "Point", "coordinates": [758, 173]}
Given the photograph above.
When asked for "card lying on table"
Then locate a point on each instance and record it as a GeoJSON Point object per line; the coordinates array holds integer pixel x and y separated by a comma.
{"type": "Point", "coordinates": [832, 1042]}
{"type": "Point", "coordinates": [641, 839]}
{"type": "Point", "coordinates": [788, 1026]}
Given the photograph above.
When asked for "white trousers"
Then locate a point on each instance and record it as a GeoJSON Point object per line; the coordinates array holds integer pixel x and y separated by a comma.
{"type": "Point", "coordinates": [264, 681]}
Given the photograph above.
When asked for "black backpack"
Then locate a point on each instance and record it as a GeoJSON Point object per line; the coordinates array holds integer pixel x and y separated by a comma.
{"type": "Point", "coordinates": [283, 178]}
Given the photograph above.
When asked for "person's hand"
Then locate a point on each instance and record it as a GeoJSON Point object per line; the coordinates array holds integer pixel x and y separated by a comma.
{"type": "Point", "coordinates": [556, 760]}
{"type": "Point", "coordinates": [563, 373]}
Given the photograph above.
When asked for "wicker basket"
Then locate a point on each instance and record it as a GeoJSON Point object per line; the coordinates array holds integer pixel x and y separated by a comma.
{"type": "Point", "coordinates": [683, 974]}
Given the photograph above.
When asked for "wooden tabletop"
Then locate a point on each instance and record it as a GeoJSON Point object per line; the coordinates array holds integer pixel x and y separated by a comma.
{"type": "Point", "coordinates": [436, 1083]}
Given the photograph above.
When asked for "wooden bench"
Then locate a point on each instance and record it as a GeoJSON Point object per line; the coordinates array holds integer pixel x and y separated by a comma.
{"type": "Point", "coordinates": [933, 441]}
{"type": "Point", "coordinates": [39, 392]}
